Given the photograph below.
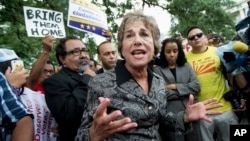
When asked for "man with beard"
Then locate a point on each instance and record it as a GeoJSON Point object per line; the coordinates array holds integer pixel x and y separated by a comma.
{"type": "Point", "coordinates": [66, 91]}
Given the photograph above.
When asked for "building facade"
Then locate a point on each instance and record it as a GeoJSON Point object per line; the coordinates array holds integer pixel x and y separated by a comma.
{"type": "Point", "coordinates": [240, 9]}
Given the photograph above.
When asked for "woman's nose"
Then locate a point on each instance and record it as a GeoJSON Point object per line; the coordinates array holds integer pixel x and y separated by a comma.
{"type": "Point", "coordinates": [138, 40]}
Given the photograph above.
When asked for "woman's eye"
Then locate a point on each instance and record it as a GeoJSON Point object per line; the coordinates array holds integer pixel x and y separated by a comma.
{"type": "Point", "coordinates": [175, 51]}
{"type": "Point", "coordinates": [144, 34]}
{"type": "Point", "coordinates": [128, 36]}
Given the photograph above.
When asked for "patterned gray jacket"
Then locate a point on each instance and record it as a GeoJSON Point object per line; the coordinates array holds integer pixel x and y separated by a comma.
{"type": "Point", "coordinates": [148, 111]}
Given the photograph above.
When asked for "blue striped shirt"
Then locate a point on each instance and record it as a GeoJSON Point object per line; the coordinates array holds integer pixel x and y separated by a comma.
{"type": "Point", "coordinates": [12, 109]}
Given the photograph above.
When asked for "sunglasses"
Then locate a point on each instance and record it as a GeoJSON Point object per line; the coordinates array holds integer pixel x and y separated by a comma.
{"type": "Point", "coordinates": [199, 35]}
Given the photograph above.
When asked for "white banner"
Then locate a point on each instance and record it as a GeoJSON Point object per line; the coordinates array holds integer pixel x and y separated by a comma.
{"type": "Point", "coordinates": [43, 119]}
{"type": "Point", "coordinates": [40, 22]}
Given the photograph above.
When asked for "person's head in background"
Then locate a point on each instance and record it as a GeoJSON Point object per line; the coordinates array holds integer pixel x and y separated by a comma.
{"type": "Point", "coordinates": [197, 39]}
{"type": "Point", "coordinates": [6, 56]}
{"type": "Point", "coordinates": [210, 33]}
{"type": "Point", "coordinates": [146, 32]}
{"type": "Point", "coordinates": [107, 55]}
{"type": "Point", "coordinates": [48, 70]}
{"type": "Point", "coordinates": [172, 53]}
{"type": "Point", "coordinates": [179, 37]}
{"type": "Point", "coordinates": [214, 39]}
{"type": "Point", "coordinates": [93, 64]}
{"type": "Point", "coordinates": [72, 53]}
{"type": "Point", "coordinates": [16, 77]}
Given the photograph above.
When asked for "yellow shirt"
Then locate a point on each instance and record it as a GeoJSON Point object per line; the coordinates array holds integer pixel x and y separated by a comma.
{"type": "Point", "coordinates": [208, 69]}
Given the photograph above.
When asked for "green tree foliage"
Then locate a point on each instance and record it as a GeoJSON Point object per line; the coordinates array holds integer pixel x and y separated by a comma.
{"type": "Point", "coordinates": [13, 33]}
{"type": "Point", "coordinates": [210, 14]}
{"type": "Point", "coordinates": [114, 11]}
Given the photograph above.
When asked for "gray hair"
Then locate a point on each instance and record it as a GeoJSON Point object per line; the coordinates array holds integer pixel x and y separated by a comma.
{"type": "Point", "coordinates": [149, 22]}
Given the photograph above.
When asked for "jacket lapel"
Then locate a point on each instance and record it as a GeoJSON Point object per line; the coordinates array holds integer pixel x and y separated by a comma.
{"type": "Point", "coordinates": [168, 76]}
{"type": "Point", "coordinates": [74, 75]}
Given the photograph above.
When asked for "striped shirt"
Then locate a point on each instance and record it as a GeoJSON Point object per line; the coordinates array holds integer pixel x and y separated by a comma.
{"type": "Point", "coordinates": [11, 109]}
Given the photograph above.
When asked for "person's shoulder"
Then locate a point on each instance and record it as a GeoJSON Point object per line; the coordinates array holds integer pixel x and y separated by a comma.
{"type": "Point", "coordinates": [157, 67]}
{"type": "Point", "coordinates": [57, 77]}
{"type": "Point", "coordinates": [104, 78]}
{"type": "Point", "coordinates": [157, 72]}
{"type": "Point", "coordinates": [62, 73]}
{"type": "Point", "coordinates": [212, 50]}
{"type": "Point", "coordinates": [188, 53]}
{"type": "Point", "coordinates": [187, 65]}
{"type": "Point", "coordinates": [99, 71]}
{"type": "Point", "coordinates": [158, 79]}
{"type": "Point", "coordinates": [212, 47]}
{"type": "Point", "coordinates": [105, 75]}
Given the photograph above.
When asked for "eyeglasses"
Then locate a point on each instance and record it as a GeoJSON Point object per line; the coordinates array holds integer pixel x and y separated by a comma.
{"type": "Point", "coordinates": [77, 52]}
{"type": "Point", "coordinates": [199, 35]}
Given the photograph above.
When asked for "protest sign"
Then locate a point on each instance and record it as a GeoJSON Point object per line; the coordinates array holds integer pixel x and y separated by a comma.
{"type": "Point", "coordinates": [43, 119]}
{"type": "Point", "coordinates": [40, 22]}
{"type": "Point", "coordinates": [86, 17]}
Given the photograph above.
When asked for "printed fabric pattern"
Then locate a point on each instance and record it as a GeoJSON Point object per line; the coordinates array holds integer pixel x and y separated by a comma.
{"type": "Point", "coordinates": [148, 111]}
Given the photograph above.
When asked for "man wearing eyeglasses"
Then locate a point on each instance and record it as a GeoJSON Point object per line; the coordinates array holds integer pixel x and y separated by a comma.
{"type": "Point", "coordinates": [66, 91]}
{"type": "Point", "coordinates": [208, 68]}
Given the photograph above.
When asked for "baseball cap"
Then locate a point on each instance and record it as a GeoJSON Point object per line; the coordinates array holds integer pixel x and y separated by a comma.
{"type": "Point", "coordinates": [7, 54]}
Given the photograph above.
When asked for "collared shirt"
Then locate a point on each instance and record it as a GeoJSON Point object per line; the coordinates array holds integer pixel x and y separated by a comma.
{"type": "Point", "coordinates": [125, 94]}
{"type": "Point", "coordinates": [12, 109]}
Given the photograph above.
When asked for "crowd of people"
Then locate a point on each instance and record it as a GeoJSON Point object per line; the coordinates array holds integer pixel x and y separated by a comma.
{"type": "Point", "coordinates": [181, 98]}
